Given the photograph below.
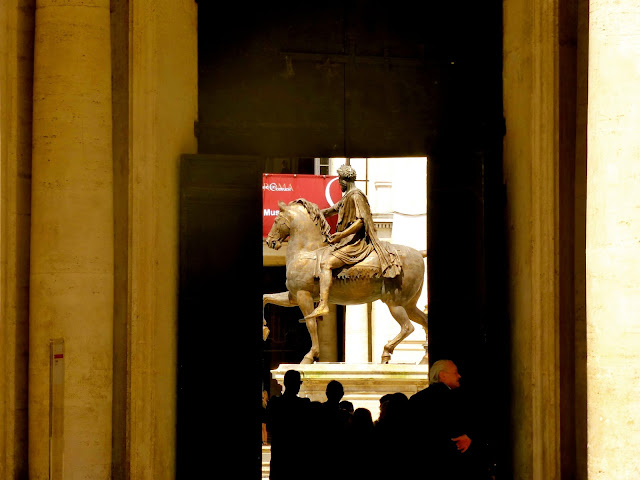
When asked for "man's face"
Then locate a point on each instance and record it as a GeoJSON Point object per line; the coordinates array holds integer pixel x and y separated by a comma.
{"type": "Point", "coordinates": [450, 376]}
{"type": "Point", "coordinates": [343, 184]}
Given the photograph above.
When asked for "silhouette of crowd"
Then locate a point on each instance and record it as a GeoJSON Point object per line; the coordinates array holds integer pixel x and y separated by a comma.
{"type": "Point", "coordinates": [428, 436]}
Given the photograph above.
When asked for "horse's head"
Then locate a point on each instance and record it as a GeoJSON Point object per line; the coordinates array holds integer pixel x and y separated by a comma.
{"type": "Point", "coordinates": [280, 229]}
{"type": "Point", "coordinates": [300, 219]}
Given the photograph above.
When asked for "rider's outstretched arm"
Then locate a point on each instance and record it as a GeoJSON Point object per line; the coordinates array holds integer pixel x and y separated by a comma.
{"type": "Point", "coordinates": [332, 210]}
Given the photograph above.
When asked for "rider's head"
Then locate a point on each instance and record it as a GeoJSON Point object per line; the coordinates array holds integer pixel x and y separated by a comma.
{"type": "Point", "coordinates": [347, 172]}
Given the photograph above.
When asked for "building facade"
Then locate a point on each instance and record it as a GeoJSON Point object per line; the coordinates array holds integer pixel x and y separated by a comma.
{"type": "Point", "coordinates": [536, 251]}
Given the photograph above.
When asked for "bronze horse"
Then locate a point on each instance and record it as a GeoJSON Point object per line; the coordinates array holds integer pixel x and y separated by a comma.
{"type": "Point", "coordinates": [307, 230]}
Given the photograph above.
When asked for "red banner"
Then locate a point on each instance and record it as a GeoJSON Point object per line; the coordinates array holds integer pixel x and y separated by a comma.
{"type": "Point", "coordinates": [322, 190]}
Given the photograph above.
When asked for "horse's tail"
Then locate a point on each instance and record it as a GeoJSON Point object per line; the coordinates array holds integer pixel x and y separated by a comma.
{"type": "Point", "coordinates": [423, 253]}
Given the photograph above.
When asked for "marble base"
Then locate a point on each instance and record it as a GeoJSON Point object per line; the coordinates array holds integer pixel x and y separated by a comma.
{"type": "Point", "coordinates": [363, 383]}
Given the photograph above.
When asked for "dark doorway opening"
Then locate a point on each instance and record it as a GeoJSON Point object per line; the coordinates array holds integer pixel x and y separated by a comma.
{"type": "Point", "coordinates": [344, 79]}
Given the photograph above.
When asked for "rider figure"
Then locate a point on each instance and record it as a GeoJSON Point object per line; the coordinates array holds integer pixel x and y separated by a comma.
{"type": "Point", "coordinates": [354, 240]}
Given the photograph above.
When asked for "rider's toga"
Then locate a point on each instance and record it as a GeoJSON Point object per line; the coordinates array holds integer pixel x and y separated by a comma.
{"type": "Point", "coordinates": [355, 247]}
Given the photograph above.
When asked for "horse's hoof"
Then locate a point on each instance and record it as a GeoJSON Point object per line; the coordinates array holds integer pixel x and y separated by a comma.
{"type": "Point", "coordinates": [386, 358]}
{"type": "Point", "coordinates": [307, 360]}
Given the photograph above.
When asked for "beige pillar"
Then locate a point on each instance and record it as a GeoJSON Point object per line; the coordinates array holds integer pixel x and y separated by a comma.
{"type": "Point", "coordinates": [613, 240]}
{"type": "Point", "coordinates": [72, 242]}
{"type": "Point", "coordinates": [356, 332]}
{"type": "Point", "coordinates": [531, 164]}
{"type": "Point", "coordinates": [163, 105]}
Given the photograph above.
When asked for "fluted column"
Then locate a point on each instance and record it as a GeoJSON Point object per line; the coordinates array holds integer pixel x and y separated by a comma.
{"type": "Point", "coordinates": [71, 243]}
{"type": "Point", "coordinates": [613, 240]}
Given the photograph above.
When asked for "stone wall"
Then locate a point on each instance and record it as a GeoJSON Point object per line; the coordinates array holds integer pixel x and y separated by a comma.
{"type": "Point", "coordinates": [613, 240]}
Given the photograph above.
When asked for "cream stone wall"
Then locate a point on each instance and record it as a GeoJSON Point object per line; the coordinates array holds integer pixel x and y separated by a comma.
{"type": "Point", "coordinates": [613, 240]}
{"type": "Point", "coordinates": [16, 66]}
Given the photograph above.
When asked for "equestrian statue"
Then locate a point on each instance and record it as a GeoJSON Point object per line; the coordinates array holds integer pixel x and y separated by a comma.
{"type": "Point", "coordinates": [350, 267]}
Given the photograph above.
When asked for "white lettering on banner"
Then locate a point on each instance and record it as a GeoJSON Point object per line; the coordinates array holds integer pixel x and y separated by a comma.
{"type": "Point", "coordinates": [277, 187]}
{"type": "Point", "coordinates": [270, 213]}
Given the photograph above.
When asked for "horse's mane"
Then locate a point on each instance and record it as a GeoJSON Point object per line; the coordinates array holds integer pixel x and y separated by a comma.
{"type": "Point", "coordinates": [316, 215]}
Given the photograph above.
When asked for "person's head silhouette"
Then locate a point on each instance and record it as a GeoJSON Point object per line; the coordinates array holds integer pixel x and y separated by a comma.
{"type": "Point", "coordinates": [292, 382]}
{"type": "Point", "coordinates": [334, 391]}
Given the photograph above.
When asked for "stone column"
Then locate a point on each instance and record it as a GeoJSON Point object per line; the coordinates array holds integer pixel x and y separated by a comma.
{"type": "Point", "coordinates": [71, 297]}
{"type": "Point", "coordinates": [162, 83]}
{"type": "Point", "coordinates": [613, 240]}
{"type": "Point", "coordinates": [531, 168]}
{"type": "Point", "coordinates": [328, 335]}
{"type": "Point", "coordinates": [356, 331]}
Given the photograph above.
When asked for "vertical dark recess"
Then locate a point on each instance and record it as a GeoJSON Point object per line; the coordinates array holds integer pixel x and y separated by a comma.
{"type": "Point", "coordinates": [120, 92]}
{"type": "Point", "coordinates": [220, 316]}
{"type": "Point", "coordinates": [467, 256]}
{"type": "Point", "coordinates": [404, 78]}
{"type": "Point", "coordinates": [24, 38]}
{"type": "Point", "coordinates": [572, 399]}
{"type": "Point", "coordinates": [579, 433]}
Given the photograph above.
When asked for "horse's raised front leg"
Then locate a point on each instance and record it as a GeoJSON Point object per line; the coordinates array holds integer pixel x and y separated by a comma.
{"type": "Point", "coordinates": [282, 299]}
{"type": "Point", "coordinates": [406, 329]}
{"type": "Point", "coordinates": [305, 300]}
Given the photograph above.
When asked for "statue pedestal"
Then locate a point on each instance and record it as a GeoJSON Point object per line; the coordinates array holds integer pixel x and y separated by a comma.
{"type": "Point", "coordinates": [363, 383]}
